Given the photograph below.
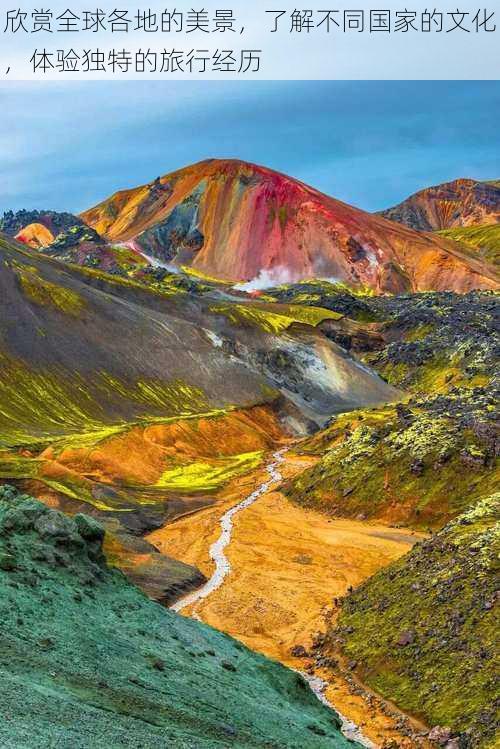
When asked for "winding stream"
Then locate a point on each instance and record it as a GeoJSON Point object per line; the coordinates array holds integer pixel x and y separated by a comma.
{"type": "Point", "coordinates": [222, 564]}
{"type": "Point", "coordinates": [223, 568]}
{"type": "Point", "coordinates": [349, 729]}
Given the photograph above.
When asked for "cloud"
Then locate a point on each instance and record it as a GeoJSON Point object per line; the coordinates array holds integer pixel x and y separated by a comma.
{"type": "Point", "coordinates": [68, 146]}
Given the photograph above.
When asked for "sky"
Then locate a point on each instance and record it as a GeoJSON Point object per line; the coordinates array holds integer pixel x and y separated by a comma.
{"type": "Point", "coordinates": [68, 146]}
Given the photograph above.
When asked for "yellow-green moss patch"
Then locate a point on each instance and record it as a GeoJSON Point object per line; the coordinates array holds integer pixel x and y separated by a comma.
{"type": "Point", "coordinates": [47, 294]}
{"type": "Point", "coordinates": [273, 318]}
{"type": "Point", "coordinates": [207, 476]}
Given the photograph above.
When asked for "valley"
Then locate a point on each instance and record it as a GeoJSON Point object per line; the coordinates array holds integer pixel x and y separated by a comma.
{"type": "Point", "coordinates": [248, 430]}
{"type": "Point", "coordinates": [285, 568]}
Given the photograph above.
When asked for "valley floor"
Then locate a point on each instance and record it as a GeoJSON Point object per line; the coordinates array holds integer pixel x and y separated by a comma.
{"type": "Point", "coordinates": [288, 565]}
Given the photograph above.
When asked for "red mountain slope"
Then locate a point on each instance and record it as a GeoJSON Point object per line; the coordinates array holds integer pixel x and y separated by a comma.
{"type": "Point", "coordinates": [235, 220]}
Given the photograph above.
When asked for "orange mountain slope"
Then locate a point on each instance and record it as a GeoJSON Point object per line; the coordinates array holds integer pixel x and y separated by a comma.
{"type": "Point", "coordinates": [236, 221]}
{"type": "Point", "coordinates": [36, 236]}
{"type": "Point", "coordinates": [463, 202]}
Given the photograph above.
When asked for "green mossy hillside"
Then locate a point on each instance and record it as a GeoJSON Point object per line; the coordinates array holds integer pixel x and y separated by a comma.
{"type": "Point", "coordinates": [436, 341]}
{"type": "Point", "coordinates": [272, 318]}
{"type": "Point", "coordinates": [419, 463]}
{"type": "Point", "coordinates": [38, 406]}
{"type": "Point", "coordinates": [46, 294]}
{"type": "Point", "coordinates": [82, 351]}
{"type": "Point", "coordinates": [334, 296]}
{"type": "Point", "coordinates": [436, 453]}
{"type": "Point", "coordinates": [89, 661]}
{"type": "Point", "coordinates": [424, 631]}
{"type": "Point", "coordinates": [483, 239]}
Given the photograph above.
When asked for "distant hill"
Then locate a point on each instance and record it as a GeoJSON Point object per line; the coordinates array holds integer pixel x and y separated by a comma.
{"type": "Point", "coordinates": [482, 240]}
{"type": "Point", "coordinates": [463, 202]}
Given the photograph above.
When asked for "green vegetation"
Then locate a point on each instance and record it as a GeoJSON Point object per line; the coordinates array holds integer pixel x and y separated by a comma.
{"type": "Point", "coordinates": [35, 405]}
{"type": "Point", "coordinates": [203, 476]}
{"type": "Point", "coordinates": [437, 342]}
{"type": "Point", "coordinates": [201, 276]}
{"type": "Point", "coordinates": [423, 462]}
{"type": "Point", "coordinates": [423, 631]}
{"type": "Point", "coordinates": [43, 292]}
{"type": "Point", "coordinates": [273, 318]}
{"type": "Point", "coordinates": [334, 296]}
{"type": "Point", "coordinates": [419, 464]}
{"type": "Point", "coordinates": [484, 240]}
{"type": "Point", "coordinates": [89, 661]}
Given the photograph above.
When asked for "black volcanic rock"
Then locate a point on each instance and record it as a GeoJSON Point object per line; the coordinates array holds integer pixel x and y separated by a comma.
{"type": "Point", "coordinates": [12, 222]}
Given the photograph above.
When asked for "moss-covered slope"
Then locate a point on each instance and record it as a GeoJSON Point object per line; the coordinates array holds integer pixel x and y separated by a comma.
{"type": "Point", "coordinates": [424, 631]}
{"type": "Point", "coordinates": [435, 342]}
{"type": "Point", "coordinates": [81, 350]}
{"type": "Point", "coordinates": [484, 240]}
{"type": "Point", "coordinates": [88, 661]}
{"type": "Point", "coordinates": [418, 464]}
{"type": "Point", "coordinates": [79, 353]}
{"type": "Point", "coordinates": [436, 453]}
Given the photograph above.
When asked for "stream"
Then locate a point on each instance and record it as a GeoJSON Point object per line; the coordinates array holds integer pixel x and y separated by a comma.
{"type": "Point", "coordinates": [222, 564]}
{"type": "Point", "coordinates": [223, 568]}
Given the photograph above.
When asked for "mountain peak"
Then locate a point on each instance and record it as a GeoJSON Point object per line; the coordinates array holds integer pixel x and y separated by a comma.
{"type": "Point", "coordinates": [461, 202]}
{"type": "Point", "coordinates": [235, 221]}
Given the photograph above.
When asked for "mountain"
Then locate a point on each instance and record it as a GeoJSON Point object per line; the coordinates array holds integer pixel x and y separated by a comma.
{"type": "Point", "coordinates": [136, 389]}
{"type": "Point", "coordinates": [143, 353]}
{"type": "Point", "coordinates": [463, 202]}
{"type": "Point", "coordinates": [89, 661]}
{"type": "Point", "coordinates": [421, 632]}
{"type": "Point", "coordinates": [483, 241]}
{"type": "Point", "coordinates": [240, 222]}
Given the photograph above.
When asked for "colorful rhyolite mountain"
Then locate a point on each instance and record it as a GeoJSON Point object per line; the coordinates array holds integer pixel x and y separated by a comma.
{"type": "Point", "coordinates": [238, 221]}
{"type": "Point", "coordinates": [36, 235]}
{"type": "Point", "coordinates": [463, 202]}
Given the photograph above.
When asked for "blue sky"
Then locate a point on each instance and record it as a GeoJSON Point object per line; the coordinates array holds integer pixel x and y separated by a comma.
{"type": "Point", "coordinates": [371, 144]}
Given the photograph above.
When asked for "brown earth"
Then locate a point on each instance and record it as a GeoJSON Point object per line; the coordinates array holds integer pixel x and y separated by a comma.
{"type": "Point", "coordinates": [288, 566]}
{"type": "Point", "coordinates": [36, 236]}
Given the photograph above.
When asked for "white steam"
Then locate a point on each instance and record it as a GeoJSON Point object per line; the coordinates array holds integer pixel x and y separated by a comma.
{"type": "Point", "coordinates": [267, 279]}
